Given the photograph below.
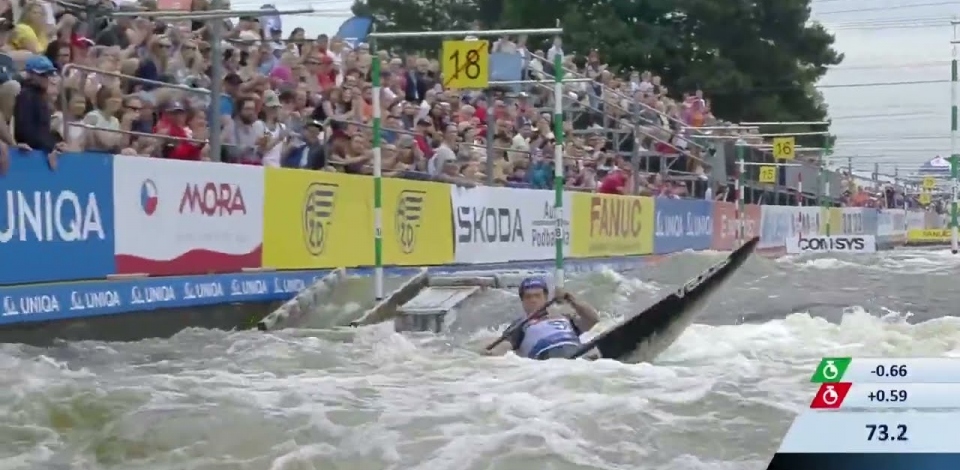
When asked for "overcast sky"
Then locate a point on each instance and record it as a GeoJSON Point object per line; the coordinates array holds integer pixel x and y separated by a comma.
{"type": "Point", "coordinates": [890, 41]}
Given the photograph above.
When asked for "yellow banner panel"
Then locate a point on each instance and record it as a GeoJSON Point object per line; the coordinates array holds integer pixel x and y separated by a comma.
{"type": "Point", "coordinates": [417, 228]}
{"type": "Point", "coordinates": [835, 216]}
{"type": "Point", "coordinates": [611, 225]}
{"type": "Point", "coordinates": [317, 219]}
{"type": "Point", "coordinates": [929, 235]}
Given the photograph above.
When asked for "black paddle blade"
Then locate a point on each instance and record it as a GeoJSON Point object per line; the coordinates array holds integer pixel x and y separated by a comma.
{"type": "Point", "coordinates": [533, 316]}
{"type": "Point", "coordinates": [652, 331]}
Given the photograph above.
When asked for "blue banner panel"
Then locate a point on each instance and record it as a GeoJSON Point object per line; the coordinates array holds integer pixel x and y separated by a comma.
{"type": "Point", "coordinates": [682, 224]}
{"type": "Point", "coordinates": [56, 225]}
{"type": "Point", "coordinates": [64, 301]}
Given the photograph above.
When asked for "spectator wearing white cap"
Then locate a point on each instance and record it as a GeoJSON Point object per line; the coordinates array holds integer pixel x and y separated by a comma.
{"type": "Point", "coordinates": [309, 153]}
{"type": "Point", "coordinates": [275, 130]}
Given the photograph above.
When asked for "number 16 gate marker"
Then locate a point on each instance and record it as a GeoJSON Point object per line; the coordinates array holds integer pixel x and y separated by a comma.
{"type": "Point", "coordinates": [887, 370]}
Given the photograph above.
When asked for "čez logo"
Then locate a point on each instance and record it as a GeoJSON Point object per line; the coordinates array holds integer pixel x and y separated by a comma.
{"type": "Point", "coordinates": [318, 206]}
{"type": "Point", "coordinates": [408, 218]}
{"type": "Point", "coordinates": [831, 243]}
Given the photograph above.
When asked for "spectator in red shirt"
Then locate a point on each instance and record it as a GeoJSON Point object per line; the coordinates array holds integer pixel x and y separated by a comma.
{"type": "Point", "coordinates": [326, 74]}
{"type": "Point", "coordinates": [173, 123]}
{"type": "Point", "coordinates": [618, 181]}
{"type": "Point", "coordinates": [423, 137]}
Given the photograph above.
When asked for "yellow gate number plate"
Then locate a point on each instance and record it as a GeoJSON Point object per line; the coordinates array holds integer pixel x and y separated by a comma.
{"type": "Point", "coordinates": [466, 64]}
{"type": "Point", "coordinates": [929, 183]}
{"type": "Point", "coordinates": [924, 198]}
{"type": "Point", "coordinates": [768, 174]}
{"type": "Point", "coordinates": [783, 148]}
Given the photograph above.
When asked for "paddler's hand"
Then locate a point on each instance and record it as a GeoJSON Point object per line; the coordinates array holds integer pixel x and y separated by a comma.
{"type": "Point", "coordinates": [563, 296]}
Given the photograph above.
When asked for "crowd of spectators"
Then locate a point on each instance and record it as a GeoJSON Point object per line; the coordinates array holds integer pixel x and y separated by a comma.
{"type": "Point", "coordinates": [299, 102]}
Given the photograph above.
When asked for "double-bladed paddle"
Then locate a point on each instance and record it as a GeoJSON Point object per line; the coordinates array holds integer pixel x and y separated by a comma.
{"type": "Point", "coordinates": [533, 316]}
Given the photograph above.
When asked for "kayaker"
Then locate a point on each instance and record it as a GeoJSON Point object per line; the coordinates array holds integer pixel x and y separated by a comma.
{"type": "Point", "coordinates": [553, 336]}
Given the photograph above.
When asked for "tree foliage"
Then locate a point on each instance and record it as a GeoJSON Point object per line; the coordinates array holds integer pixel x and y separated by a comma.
{"type": "Point", "coordinates": [755, 59]}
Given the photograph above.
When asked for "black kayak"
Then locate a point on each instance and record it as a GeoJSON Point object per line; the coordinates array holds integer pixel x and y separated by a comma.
{"type": "Point", "coordinates": [642, 337]}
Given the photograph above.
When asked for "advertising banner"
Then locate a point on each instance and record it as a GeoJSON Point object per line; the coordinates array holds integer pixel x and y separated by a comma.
{"type": "Point", "coordinates": [835, 218]}
{"type": "Point", "coordinates": [416, 223]}
{"type": "Point", "coordinates": [45, 302]}
{"type": "Point", "coordinates": [933, 220]}
{"type": "Point", "coordinates": [180, 217]}
{"type": "Point", "coordinates": [725, 224]}
{"type": "Point", "coordinates": [777, 223]}
{"type": "Point", "coordinates": [56, 225]}
{"type": "Point", "coordinates": [493, 225]}
{"type": "Point", "coordinates": [929, 236]}
{"type": "Point", "coordinates": [916, 220]}
{"type": "Point", "coordinates": [317, 219]}
{"type": "Point", "coordinates": [610, 225]}
{"type": "Point", "coordinates": [682, 224]}
{"type": "Point", "coordinates": [831, 244]}
{"type": "Point", "coordinates": [858, 220]}
{"type": "Point", "coordinates": [899, 217]}
{"type": "Point", "coordinates": [890, 226]}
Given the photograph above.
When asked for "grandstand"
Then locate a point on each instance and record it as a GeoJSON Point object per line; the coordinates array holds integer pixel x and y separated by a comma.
{"type": "Point", "coordinates": [124, 82]}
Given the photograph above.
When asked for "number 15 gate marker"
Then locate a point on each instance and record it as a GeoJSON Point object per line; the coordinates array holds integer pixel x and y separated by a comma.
{"type": "Point", "coordinates": [887, 370]}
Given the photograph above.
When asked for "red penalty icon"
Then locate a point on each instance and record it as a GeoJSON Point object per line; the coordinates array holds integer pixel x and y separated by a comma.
{"type": "Point", "coordinates": [830, 396]}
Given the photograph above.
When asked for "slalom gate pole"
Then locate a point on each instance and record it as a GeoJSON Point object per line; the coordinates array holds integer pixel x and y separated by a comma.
{"type": "Point", "coordinates": [954, 156]}
{"type": "Point", "coordinates": [377, 175]}
{"type": "Point", "coordinates": [800, 190]}
{"type": "Point", "coordinates": [558, 173]}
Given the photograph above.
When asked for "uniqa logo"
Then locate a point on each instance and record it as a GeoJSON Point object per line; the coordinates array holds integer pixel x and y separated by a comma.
{"type": "Point", "coordinates": [409, 215]}
{"type": "Point", "coordinates": [318, 206]}
{"type": "Point", "coordinates": [49, 216]}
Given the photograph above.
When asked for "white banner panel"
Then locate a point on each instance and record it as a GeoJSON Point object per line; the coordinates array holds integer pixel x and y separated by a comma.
{"type": "Point", "coordinates": [778, 223]}
{"type": "Point", "coordinates": [891, 225]}
{"type": "Point", "coordinates": [495, 225]}
{"type": "Point", "coordinates": [916, 220]}
{"type": "Point", "coordinates": [182, 217]}
{"type": "Point", "coordinates": [833, 244]}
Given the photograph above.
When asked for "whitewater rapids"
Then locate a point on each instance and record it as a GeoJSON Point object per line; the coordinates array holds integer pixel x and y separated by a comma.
{"type": "Point", "coordinates": [370, 399]}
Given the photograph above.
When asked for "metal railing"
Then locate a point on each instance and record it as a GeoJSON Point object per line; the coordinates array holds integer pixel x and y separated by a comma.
{"type": "Point", "coordinates": [84, 71]}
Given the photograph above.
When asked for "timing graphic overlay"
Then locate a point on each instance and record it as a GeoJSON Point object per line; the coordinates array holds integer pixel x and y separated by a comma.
{"type": "Point", "coordinates": [877, 414]}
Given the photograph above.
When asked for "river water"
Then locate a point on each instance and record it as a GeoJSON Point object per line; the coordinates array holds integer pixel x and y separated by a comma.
{"type": "Point", "coordinates": [370, 399]}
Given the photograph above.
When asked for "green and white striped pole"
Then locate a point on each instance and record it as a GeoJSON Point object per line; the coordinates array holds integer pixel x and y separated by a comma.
{"type": "Point", "coordinates": [377, 179]}
{"type": "Point", "coordinates": [953, 142]}
{"type": "Point", "coordinates": [558, 165]}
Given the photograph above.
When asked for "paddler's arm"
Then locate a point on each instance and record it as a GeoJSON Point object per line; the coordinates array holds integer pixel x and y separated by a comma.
{"type": "Point", "coordinates": [512, 342]}
{"type": "Point", "coordinates": [587, 316]}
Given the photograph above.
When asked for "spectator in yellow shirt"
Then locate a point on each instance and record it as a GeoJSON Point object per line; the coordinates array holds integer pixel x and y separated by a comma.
{"type": "Point", "coordinates": [30, 34]}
